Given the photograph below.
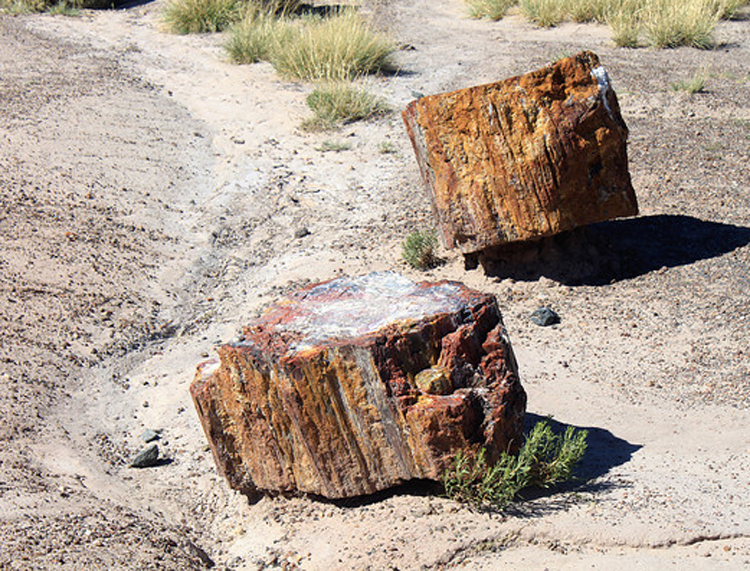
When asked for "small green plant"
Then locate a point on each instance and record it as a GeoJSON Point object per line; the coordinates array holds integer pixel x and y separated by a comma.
{"type": "Point", "coordinates": [333, 146]}
{"type": "Point", "coordinates": [492, 9]}
{"type": "Point", "coordinates": [201, 16]}
{"type": "Point", "coordinates": [340, 102]}
{"type": "Point", "coordinates": [419, 249]}
{"type": "Point", "coordinates": [387, 148]}
{"type": "Point", "coordinates": [695, 84]}
{"type": "Point", "coordinates": [63, 9]}
{"type": "Point", "coordinates": [545, 459]}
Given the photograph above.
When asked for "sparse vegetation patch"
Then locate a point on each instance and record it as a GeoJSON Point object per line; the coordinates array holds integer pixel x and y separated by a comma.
{"type": "Point", "coordinates": [64, 7]}
{"type": "Point", "coordinates": [492, 9]}
{"type": "Point", "coordinates": [544, 13]}
{"type": "Point", "coordinates": [695, 84]}
{"type": "Point", "coordinates": [328, 146]}
{"type": "Point", "coordinates": [340, 102]}
{"type": "Point", "coordinates": [672, 23]}
{"type": "Point", "coordinates": [201, 16]}
{"type": "Point", "coordinates": [342, 46]}
{"type": "Point", "coordinates": [255, 37]}
{"type": "Point", "coordinates": [662, 23]}
{"type": "Point", "coordinates": [545, 459]}
{"type": "Point", "coordinates": [419, 250]}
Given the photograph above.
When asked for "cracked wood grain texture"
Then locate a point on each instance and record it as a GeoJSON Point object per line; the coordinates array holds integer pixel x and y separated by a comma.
{"type": "Point", "coordinates": [524, 158]}
{"type": "Point", "coordinates": [320, 395]}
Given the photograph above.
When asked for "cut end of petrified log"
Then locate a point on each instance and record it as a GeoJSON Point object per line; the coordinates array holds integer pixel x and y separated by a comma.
{"type": "Point", "coordinates": [524, 158]}
{"type": "Point", "coordinates": [358, 384]}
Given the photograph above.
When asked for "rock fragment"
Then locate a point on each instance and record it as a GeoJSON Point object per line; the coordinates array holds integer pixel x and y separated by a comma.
{"type": "Point", "coordinates": [147, 457]}
{"type": "Point", "coordinates": [149, 435]}
{"type": "Point", "coordinates": [544, 316]}
{"type": "Point", "coordinates": [358, 384]}
{"type": "Point", "coordinates": [524, 158]}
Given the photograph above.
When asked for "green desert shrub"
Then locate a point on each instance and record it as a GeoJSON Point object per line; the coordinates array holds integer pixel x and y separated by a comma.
{"type": "Point", "coordinates": [419, 250]}
{"type": "Point", "coordinates": [341, 46]}
{"type": "Point", "coordinates": [492, 9]}
{"type": "Point", "coordinates": [201, 16]}
{"type": "Point", "coordinates": [328, 146]}
{"type": "Point", "coordinates": [340, 102]}
{"type": "Point", "coordinates": [545, 459]}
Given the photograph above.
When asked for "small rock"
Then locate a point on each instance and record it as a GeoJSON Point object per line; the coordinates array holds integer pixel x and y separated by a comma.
{"type": "Point", "coordinates": [434, 381]}
{"type": "Point", "coordinates": [544, 316]}
{"type": "Point", "coordinates": [150, 435]}
{"type": "Point", "coordinates": [301, 232]}
{"type": "Point", "coordinates": [147, 457]}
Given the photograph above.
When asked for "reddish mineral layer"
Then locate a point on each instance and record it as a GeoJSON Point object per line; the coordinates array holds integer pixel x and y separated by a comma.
{"type": "Point", "coordinates": [358, 384]}
{"type": "Point", "coordinates": [524, 158]}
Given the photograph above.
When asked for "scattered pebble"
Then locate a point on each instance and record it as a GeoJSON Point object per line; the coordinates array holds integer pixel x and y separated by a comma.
{"type": "Point", "coordinates": [147, 457]}
{"type": "Point", "coordinates": [544, 316]}
{"type": "Point", "coordinates": [150, 435]}
{"type": "Point", "coordinates": [301, 232]}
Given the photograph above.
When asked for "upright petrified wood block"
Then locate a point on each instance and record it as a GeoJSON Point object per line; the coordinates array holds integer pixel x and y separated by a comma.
{"type": "Point", "coordinates": [524, 158]}
{"type": "Point", "coordinates": [357, 384]}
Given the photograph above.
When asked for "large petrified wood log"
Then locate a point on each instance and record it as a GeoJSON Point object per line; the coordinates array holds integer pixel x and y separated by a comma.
{"type": "Point", "coordinates": [358, 384]}
{"type": "Point", "coordinates": [524, 158]}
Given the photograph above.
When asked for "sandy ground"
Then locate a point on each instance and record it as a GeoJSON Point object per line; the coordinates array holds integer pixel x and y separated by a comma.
{"type": "Point", "coordinates": [151, 193]}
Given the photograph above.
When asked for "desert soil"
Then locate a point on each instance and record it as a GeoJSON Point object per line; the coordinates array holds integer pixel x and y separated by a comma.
{"type": "Point", "coordinates": [152, 201]}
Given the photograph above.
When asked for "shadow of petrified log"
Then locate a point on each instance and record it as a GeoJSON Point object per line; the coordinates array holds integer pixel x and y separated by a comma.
{"type": "Point", "coordinates": [614, 250]}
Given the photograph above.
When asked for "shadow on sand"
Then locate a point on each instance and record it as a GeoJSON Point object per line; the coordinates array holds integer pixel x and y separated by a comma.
{"type": "Point", "coordinates": [615, 250]}
{"type": "Point", "coordinates": [604, 452]}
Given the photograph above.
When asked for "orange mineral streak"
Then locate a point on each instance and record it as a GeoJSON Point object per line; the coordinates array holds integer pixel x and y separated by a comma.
{"type": "Point", "coordinates": [523, 158]}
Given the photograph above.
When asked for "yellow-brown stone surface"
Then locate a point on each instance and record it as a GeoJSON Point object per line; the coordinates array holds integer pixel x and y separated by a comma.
{"type": "Point", "coordinates": [524, 158]}
{"type": "Point", "coordinates": [321, 395]}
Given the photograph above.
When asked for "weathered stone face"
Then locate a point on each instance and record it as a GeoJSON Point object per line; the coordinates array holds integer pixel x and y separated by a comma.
{"type": "Point", "coordinates": [332, 391]}
{"type": "Point", "coordinates": [524, 158]}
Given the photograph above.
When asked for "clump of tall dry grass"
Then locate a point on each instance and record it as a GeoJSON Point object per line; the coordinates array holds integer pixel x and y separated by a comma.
{"type": "Point", "coordinates": [658, 23]}
{"type": "Point", "coordinates": [201, 16]}
{"type": "Point", "coordinates": [337, 102]}
{"type": "Point", "coordinates": [492, 9]}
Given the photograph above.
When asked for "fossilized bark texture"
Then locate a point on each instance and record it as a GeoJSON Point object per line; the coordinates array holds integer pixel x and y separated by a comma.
{"type": "Point", "coordinates": [524, 158]}
{"type": "Point", "coordinates": [321, 394]}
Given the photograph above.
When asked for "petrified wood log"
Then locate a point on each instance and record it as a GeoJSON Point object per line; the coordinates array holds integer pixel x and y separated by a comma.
{"type": "Point", "coordinates": [524, 158]}
{"type": "Point", "coordinates": [358, 384]}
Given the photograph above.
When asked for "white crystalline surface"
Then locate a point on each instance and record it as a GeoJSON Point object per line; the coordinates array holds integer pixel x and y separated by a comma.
{"type": "Point", "coordinates": [353, 307]}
